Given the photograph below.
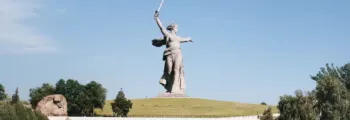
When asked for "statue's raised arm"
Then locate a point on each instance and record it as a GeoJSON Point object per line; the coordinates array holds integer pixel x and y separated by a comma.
{"type": "Point", "coordinates": [159, 23]}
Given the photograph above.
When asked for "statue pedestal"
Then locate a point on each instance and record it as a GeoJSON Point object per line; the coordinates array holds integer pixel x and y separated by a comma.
{"type": "Point", "coordinates": [172, 95]}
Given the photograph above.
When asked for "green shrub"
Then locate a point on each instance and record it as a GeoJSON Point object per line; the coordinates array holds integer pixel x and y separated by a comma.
{"type": "Point", "coordinates": [121, 106]}
{"type": "Point", "coordinates": [267, 114]}
{"type": "Point", "coordinates": [3, 95]}
{"type": "Point", "coordinates": [19, 112]}
{"type": "Point", "coordinates": [7, 112]}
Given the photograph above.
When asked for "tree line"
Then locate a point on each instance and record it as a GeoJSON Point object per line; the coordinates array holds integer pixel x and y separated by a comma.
{"type": "Point", "coordinates": [15, 109]}
{"type": "Point", "coordinates": [81, 99]}
{"type": "Point", "coordinates": [329, 100]}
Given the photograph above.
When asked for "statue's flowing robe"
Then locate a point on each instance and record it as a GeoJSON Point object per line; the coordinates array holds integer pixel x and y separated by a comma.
{"type": "Point", "coordinates": [169, 82]}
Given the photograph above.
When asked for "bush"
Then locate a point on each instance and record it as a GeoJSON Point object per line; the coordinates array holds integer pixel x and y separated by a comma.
{"type": "Point", "coordinates": [19, 112]}
{"type": "Point", "coordinates": [121, 106]}
{"type": "Point", "coordinates": [267, 115]}
{"type": "Point", "coordinates": [7, 112]}
{"type": "Point", "coordinates": [298, 107]}
{"type": "Point", "coordinates": [3, 95]}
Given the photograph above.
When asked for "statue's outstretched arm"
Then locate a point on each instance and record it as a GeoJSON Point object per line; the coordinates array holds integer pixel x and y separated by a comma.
{"type": "Point", "coordinates": [159, 23]}
{"type": "Point", "coordinates": [188, 39]}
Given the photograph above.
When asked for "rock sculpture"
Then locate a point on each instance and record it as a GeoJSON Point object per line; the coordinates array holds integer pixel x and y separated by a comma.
{"type": "Point", "coordinates": [53, 105]}
{"type": "Point", "coordinates": [173, 75]}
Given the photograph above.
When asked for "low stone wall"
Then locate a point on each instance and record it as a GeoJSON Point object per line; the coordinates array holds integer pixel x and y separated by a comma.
{"type": "Point", "coordinates": [254, 117]}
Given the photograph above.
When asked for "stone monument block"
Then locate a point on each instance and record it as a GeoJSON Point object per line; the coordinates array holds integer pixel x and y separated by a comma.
{"type": "Point", "coordinates": [53, 105]}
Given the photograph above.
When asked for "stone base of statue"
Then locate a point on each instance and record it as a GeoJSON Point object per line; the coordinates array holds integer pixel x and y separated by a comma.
{"type": "Point", "coordinates": [172, 95]}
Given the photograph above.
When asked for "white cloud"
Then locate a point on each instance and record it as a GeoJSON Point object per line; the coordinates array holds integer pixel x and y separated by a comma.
{"type": "Point", "coordinates": [16, 35]}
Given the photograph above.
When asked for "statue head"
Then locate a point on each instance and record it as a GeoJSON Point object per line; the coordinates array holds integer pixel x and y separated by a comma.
{"type": "Point", "coordinates": [173, 27]}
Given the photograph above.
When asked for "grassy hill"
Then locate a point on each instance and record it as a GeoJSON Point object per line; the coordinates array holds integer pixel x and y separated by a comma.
{"type": "Point", "coordinates": [186, 107]}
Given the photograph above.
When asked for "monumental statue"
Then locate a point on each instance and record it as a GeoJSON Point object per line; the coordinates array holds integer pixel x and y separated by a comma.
{"type": "Point", "coordinates": [173, 75]}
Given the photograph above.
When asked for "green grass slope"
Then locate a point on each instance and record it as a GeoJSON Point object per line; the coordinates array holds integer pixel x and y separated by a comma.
{"type": "Point", "coordinates": [186, 107]}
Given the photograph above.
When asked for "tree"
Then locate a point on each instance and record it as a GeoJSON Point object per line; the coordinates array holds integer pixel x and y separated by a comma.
{"type": "Point", "coordinates": [332, 93]}
{"type": "Point", "coordinates": [121, 106]}
{"type": "Point", "coordinates": [37, 94]}
{"type": "Point", "coordinates": [330, 100]}
{"type": "Point", "coordinates": [15, 97]}
{"type": "Point", "coordinates": [263, 103]}
{"type": "Point", "coordinates": [267, 114]}
{"type": "Point", "coordinates": [96, 95]}
{"type": "Point", "coordinates": [75, 96]}
{"type": "Point", "coordinates": [3, 95]}
{"type": "Point", "coordinates": [61, 87]}
{"type": "Point", "coordinates": [298, 107]}
{"type": "Point", "coordinates": [82, 99]}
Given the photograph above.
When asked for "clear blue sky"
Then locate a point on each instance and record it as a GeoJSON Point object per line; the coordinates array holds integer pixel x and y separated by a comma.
{"type": "Point", "coordinates": [244, 50]}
